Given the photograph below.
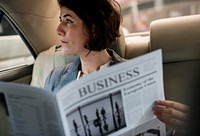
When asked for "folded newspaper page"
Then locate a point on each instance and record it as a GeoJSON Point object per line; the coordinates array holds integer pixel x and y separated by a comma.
{"type": "Point", "coordinates": [116, 101]}
{"type": "Point", "coordinates": [30, 111]}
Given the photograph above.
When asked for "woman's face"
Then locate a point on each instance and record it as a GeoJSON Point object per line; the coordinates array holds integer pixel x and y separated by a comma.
{"type": "Point", "coordinates": [72, 31]}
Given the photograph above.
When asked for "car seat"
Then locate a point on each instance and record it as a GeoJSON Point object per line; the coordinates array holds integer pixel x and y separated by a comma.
{"type": "Point", "coordinates": [180, 43]}
{"type": "Point", "coordinates": [179, 40]}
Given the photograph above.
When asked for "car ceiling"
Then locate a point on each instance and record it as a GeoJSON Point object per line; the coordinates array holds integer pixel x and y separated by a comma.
{"type": "Point", "coordinates": [36, 19]}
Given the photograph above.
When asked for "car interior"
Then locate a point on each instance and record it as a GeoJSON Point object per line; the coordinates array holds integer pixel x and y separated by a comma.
{"type": "Point", "coordinates": [180, 48]}
{"type": "Point", "coordinates": [178, 37]}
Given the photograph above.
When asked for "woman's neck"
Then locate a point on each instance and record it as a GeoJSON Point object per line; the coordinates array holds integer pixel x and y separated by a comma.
{"type": "Point", "coordinates": [93, 61]}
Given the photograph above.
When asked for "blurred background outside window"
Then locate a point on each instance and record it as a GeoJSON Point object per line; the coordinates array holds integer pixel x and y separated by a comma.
{"type": "Point", "coordinates": [13, 51]}
{"type": "Point", "coordinates": [138, 14]}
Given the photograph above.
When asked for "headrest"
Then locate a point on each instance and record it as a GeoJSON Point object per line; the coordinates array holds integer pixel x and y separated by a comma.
{"type": "Point", "coordinates": [119, 45]}
{"type": "Point", "coordinates": [179, 38]}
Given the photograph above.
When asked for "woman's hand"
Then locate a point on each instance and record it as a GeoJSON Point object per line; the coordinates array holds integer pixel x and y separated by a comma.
{"type": "Point", "coordinates": [171, 113]}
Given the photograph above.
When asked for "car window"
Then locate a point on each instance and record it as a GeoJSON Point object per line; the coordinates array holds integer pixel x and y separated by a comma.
{"type": "Point", "coordinates": [13, 51]}
{"type": "Point", "coordinates": [138, 14]}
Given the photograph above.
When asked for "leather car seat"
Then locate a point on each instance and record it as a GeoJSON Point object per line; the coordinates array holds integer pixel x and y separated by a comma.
{"type": "Point", "coordinates": [179, 40]}
{"type": "Point", "coordinates": [180, 43]}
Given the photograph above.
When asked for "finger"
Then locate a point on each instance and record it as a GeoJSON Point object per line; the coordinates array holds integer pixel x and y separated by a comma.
{"type": "Point", "coordinates": [169, 121]}
{"type": "Point", "coordinates": [175, 105]}
{"type": "Point", "coordinates": [170, 112]}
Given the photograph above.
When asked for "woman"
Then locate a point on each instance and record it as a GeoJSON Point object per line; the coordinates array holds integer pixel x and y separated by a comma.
{"type": "Point", "coordinates": [88, 30]}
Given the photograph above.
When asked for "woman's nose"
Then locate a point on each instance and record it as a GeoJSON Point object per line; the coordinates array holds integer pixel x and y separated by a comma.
{"type": "Point", "coordinates": [60, 30]}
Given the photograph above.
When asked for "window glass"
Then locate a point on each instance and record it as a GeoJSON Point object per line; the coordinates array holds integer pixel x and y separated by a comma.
{"type": "Point", "coordinates": [138, 14]}
{"type": "Point", "coordinates": [13, 51]}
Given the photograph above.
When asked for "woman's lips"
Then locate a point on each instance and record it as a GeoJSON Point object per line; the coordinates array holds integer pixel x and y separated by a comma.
{"type": "Point", "coordinates": [63, 41]}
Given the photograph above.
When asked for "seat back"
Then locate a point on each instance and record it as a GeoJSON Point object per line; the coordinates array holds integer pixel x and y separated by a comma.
{"type": "Point", "coordinates": [179, 39]}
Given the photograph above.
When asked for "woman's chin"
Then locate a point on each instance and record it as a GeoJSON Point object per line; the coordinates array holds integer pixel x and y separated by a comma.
{"type": "Point", "coordinates": [67, 51]}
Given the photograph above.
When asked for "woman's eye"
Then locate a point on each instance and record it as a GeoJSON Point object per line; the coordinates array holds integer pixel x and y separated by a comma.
{"type": "Point", "coordinates": [68, 21]}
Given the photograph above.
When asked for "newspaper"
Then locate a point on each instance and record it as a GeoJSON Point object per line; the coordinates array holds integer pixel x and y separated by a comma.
{"type": "Point", "coordinates": [116, 101]}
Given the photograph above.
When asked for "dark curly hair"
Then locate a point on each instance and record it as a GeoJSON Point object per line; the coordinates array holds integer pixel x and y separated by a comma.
{"type": "Point", "coordinates": [101, 17]}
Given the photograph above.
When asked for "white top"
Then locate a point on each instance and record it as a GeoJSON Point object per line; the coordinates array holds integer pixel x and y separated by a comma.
{"type": "Point", "coordinates": [101, 67]}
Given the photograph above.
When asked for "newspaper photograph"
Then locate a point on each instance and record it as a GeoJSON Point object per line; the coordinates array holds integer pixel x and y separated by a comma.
{"type": "Point", "coordinates": [115, 101]}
